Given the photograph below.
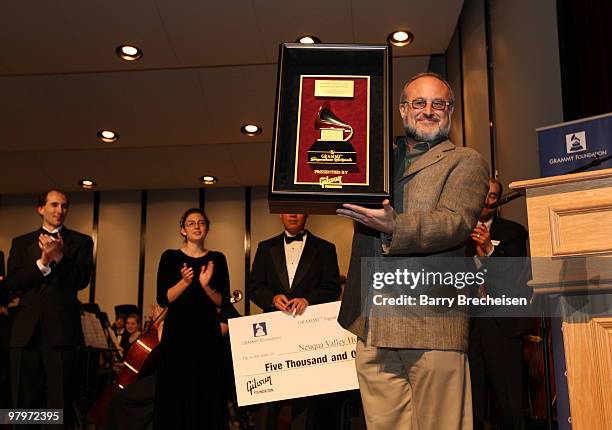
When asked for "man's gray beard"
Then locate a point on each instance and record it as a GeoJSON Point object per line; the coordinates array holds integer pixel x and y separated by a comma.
{"type": "Point", "coordinates": [433, 137]}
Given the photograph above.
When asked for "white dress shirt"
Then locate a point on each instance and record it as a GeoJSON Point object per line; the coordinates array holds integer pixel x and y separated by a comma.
{"type": "Point", "coordinates": [293, 253]}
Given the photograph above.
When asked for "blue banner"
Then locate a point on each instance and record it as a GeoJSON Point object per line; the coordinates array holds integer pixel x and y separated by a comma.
{"type": "Point", "coordinates": [567, 146]}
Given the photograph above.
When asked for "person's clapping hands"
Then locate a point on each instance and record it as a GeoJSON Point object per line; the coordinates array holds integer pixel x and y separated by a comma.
{"type": "Point", "coordinates": [52, 248]}
{"type": "Point", "coordinates": [482, 237]}
{"type": "Point", "coordinates": [187, 274]}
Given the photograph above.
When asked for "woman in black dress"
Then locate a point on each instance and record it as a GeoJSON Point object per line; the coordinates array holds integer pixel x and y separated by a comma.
{"type": "Point", "coordinates": [192, 282]}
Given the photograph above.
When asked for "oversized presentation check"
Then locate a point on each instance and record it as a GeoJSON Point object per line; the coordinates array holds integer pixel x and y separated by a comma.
{"type": "Point", "coordinates": [281, 356]}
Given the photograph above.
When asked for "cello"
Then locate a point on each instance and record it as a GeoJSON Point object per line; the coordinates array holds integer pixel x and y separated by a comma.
{"type": "Point", "coordinates": [140, 361]}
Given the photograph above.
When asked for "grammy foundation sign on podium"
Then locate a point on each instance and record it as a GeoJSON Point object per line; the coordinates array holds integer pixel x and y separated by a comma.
{"type": "Point", "coordinates": [331, 140]}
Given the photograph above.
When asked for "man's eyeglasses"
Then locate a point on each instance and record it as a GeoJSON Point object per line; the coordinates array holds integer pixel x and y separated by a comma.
{"type": "Point", "coordinates": [192, 224]}
{"type": "Point", "coordinates": [418, 104]}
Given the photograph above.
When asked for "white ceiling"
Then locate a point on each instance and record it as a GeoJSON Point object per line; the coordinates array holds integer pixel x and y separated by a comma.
{"type": "Point", "coordinates": [208, 67]}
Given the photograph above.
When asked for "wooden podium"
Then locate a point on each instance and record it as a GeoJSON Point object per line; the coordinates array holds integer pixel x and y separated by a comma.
{"type": "Point", "coordinates": [570, 231]}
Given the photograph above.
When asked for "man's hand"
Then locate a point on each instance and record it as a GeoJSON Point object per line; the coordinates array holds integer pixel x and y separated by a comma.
{"type": "Point", "coordinates": [280, 302]}
{"type": "Point", "coordinates": [52, 248]}
{"type": "Point", "coordinates": [481, 236]}
{"type": "Point", "coordinates": [378, 219]}
{"type": "Point", "coordinates": [297, 305]}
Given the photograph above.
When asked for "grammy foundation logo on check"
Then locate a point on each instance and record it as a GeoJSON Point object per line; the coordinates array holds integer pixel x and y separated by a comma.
{"type": "Point", "coordinates": [331, 182]}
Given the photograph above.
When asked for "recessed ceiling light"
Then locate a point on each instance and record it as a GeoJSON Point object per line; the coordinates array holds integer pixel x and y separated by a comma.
{"type": "Point", "coordinates": [108, 136]}
{"type": "Point", "coordinates": [129, 52]}
{"type": "Point", "coordinates": [208, 180]}
{"type": "Point", "coordinates": [250, 129]}
{"type": "Point", "coordinates": [87, 184]}
{"type": "Point", "coordinates": [400, 38]}
{"type": "Point", "coordinates": [308, 39]}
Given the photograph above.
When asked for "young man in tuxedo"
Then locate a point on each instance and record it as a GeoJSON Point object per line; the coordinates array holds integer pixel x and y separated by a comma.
{"type": "Point", "coordinates": [294, 269]}
{"type": "Point", "coordinates": [495, 343]}
{"type": "Point", "coordinates": [47, 268]}
{"type": "Point", "coordinates": [290, 272]}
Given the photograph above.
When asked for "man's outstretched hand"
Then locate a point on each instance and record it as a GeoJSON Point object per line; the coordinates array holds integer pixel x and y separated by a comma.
{"type": "Point", "coordinates": [378, 219]}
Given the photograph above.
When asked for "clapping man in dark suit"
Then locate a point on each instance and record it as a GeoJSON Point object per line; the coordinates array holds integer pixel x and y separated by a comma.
{"type": "Point", "coordinates": [290, 272]}
{"type": "Point", "coordinates": [47, 268]}
{"type": "Point", "coordinates": [495, 343]}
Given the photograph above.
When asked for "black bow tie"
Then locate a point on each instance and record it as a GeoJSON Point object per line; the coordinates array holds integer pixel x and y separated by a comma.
{"type": "Point", "coordinates": [298, 237]}
{"type": "Point", "coordinates": [54, 235]}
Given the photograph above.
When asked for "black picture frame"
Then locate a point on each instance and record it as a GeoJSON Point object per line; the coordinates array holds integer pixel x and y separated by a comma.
{"type": "Point", "coordinates": [297, 62]}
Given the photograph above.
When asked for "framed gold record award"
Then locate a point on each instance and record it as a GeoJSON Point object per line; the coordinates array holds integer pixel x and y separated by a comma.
{"type": "Point", "coordinates": [332, 137]}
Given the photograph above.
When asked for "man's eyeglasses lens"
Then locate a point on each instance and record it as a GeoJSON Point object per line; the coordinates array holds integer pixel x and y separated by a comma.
{"type": "Point", "coordinates": [192, 224]}
{"type": "Point", "coordinates": [435, 104]}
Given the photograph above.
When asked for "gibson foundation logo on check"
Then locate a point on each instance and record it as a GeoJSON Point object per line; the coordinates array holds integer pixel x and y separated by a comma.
{"type": "Point", "coordinates": [288, 356]}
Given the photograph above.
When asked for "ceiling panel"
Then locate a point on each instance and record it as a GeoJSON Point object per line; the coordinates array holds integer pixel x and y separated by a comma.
{"type": "Point", "coordinates": [251, 162]}
{"type": "Point", "coordinates": [22, 172]}
{"type": "Point", "coordinates": [134, 168]}
{"type": "Point", "coordinates": [284, 21]}
{"type": "Point", "coordinates": [431, 22]}
{"type": "Point", "coordinates": [69, 36]}
{"type": "Point", "coordinates": [208, 68]}
{"type": "Point", "coordinates": [236, 96]}
{"type": "Point", "coordinates": [218, 32]}
{"type": "Point", "coordinates": [153, 108]}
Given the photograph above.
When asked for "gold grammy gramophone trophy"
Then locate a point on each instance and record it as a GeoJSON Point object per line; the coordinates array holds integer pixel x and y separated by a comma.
{"type": "Point", "coordinates": [333, 147]}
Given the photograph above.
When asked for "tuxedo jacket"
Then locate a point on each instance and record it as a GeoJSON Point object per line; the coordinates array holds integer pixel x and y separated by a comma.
{"type": "Point", "coordinates": [50, 300]}
{"type": "Point", "coordinates": [316, 278]}
{"type": "Point", "coordinates": [512, 238]}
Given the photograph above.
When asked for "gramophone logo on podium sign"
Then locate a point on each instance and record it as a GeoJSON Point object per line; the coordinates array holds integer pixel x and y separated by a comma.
{"type": "Point", "coordinates": [334, 146]}
{"type": "Point", "coordinates": [575, 142]}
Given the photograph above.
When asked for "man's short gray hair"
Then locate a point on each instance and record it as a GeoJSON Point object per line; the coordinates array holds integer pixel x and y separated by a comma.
{"type": "Point", "coordinates": [451, 94]}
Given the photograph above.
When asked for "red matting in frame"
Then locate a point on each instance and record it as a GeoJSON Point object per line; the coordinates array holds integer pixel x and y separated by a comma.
{"type": "Point", "coordinates": [354, 111]}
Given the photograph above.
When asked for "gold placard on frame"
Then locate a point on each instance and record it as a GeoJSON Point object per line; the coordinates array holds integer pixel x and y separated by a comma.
{"type": "Point", "coordinates": [334, 88]}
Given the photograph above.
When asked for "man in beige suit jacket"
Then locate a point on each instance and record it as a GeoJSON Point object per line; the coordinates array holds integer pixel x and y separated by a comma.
{"type": "Point", "coordinates": [412, 369]}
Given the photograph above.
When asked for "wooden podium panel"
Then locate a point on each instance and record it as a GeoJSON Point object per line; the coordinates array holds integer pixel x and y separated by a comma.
{"type": "Point", "coordinates": [570, 231]}
{"type": "Point", "coordinates": [588, 355]}
{"type": "Point", "coordinates": [570, 219]}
